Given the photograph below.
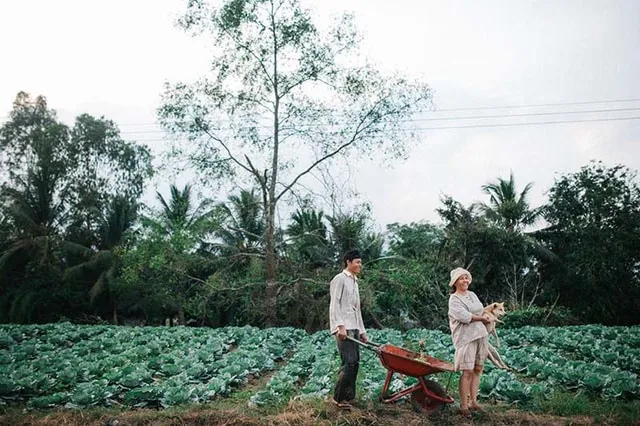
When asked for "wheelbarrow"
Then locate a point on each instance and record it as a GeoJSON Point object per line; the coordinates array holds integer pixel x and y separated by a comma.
{"type": "Point", "coordinates": [426, 395]}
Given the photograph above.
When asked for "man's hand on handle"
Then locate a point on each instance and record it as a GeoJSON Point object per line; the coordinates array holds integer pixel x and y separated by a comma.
{"type": "Point", "coordinates": [342, 334]}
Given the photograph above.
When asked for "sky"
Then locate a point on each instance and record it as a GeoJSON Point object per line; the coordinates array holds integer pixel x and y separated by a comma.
{"type": "Point", "coordinates": [111, 58]}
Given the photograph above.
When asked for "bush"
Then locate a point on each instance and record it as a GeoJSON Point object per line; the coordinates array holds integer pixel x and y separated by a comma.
{"type": "Point", "coordinates": [539, 316]}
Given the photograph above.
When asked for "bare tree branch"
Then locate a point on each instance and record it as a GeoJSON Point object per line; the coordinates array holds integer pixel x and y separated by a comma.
{"type": "Point", "coordinates": [245, 232]}
{"type": "Point", "coordinates": [226, 148]}
{"type": "Point", "coordinates": [242, 287]}
{"type": "Point", "coordinates": [246, 48]}
{"type": "Point", "coordinates": [358, 131]}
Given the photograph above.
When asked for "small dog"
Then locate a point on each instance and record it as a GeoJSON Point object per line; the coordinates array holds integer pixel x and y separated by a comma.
{"type": "Point", "coordinates": [496, 359]}
{"type": "Point", "coordinates": [494, 311]}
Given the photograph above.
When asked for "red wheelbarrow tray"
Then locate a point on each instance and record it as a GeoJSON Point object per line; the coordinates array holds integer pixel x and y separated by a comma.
{"type": "Point", "coordinates": [428, 394]}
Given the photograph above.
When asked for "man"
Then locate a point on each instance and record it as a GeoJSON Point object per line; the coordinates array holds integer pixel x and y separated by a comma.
{"type": "Point", "coordinates": [345, 319]}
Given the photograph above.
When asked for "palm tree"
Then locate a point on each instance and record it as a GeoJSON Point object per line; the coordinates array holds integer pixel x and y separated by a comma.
{"type": "Point", "coordinates": [508, 208]}
{"type": "Point", "coordinates": [309, 235]}
{"type": "Point", "coordinates": [182, 227]}
{"type": "Point", "coordinates": [243, 231]}
{"type": "Point", "coordinates": [349, 231]}
{"type": "Point", "coordinates": [36, 215]}
{"type": "Point", "coordinates": [117, 219]}
{"type": "Point", "coordinates": [179, 216]}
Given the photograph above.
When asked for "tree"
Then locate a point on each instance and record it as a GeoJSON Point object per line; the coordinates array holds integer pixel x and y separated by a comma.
{"type": "Point", "coordinates": [32, 146]}
{"type": "Point", "coordinates": [101, 166]}
{"type": "Point", "coordinates": [180, 220]}
{"type": "Point", "coordinates": [419, 241]}
{"type": "Point", "coordinates": [351, 230]}
{"type": "Point", "coordinates": [511, 212]}
{"type": "Point", "coordinates": [86, 165]}
{"type": "Point", "coordinates": [243, 230]}
{"type": "Point", "coordinates": [501, 261]}
{"type": "Point", "coordinates": [167, 258]}
{"type": "Point", "coordinates": [506, 208]}
{"type": "Point", "coordinates": [57, 182]}
{"type": "Point", "coordinates": [309, 235]}
{"type": "Point", "coordinates": [594, 218]}
{"type": "Point", "coordinates": [282, 94]}
{"type": "Point", "coordinates": [116, 220]}
{"type": "Point", "coordinates": [29, 256]}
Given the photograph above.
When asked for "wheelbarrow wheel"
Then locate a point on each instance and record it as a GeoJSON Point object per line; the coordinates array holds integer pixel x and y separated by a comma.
{"type": "Point", "coordinates": [421, 403]}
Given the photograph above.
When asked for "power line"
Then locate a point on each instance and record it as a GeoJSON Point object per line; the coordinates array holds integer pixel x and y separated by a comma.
{"type": "Point", "coordinates": [473, 126]}
{"type": "Point", "coordinates": [529, 124]}
{"type": "Point", "coordinates": [609, 101]}
{"type": "Point", "coordinates": [477, 117]}
{"type": "Point", "coordinates": [528, 114]}
{"type": "Point", "coordinates": [498, 107]}
{"type": "Point", "coordinates": [541, 105]}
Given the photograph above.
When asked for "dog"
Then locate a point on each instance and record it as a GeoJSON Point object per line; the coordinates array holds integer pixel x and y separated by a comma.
{"type": "Point", "coordinates": [495, 358]}
{"type": "Point", "coordinates": [494, 311]}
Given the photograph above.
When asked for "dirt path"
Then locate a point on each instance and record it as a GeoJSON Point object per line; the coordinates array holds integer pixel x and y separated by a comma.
{"type": "Point", "coordinates": [296, 413]}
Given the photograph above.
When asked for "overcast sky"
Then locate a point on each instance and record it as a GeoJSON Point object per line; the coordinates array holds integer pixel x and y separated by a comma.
{"type": "Point", "coordinates": [111, 58]}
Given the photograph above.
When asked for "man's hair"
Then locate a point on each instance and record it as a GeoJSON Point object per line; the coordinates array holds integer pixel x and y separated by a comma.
{"type": "Point", "coordinates": [351, 255]}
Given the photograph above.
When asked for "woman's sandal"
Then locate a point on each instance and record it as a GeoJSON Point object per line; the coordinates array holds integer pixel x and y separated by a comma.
{"type": "Point", "coordinates": [466, 413]}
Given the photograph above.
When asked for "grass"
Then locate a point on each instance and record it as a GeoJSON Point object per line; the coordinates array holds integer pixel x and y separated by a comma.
{"type": "Point", "coordinates": [601, 411]}
{"type": "Point", "coordinates": [560, 409]}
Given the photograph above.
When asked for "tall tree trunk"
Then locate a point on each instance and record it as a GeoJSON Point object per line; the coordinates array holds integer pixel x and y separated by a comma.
{"type": "Point", "coordinates": [270, 267]}
{"type": "Point", "coordinates": [181, 315]}
{"type": "Point", "coordinates": [115, 316]}
{"type": "Point", "coordinates": [270, 255]}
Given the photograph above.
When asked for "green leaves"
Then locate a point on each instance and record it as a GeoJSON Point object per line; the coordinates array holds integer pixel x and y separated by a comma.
{"type": "Point", "coordinates": [574, 358]}
{"type": "Point", "coordinates": [280, 91]}
{"type": "Point", "coordinates": [508, 208]}
{"type": "Point", "coordinates": [68, 192]}
{"type": "Point", "coordinates": [137, 367]}
{"type": "Point", "coordinates": [594, 218]}
{"type": "Point", "coordinates": [111, 365]}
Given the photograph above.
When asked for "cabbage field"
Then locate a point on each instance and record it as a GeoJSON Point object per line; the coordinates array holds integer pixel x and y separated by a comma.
{"type": "Point", "coordinates": [76, 366]}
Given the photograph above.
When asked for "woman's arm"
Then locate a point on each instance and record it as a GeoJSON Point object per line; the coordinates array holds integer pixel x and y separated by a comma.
{"type": "Point", "coordinates": [459, 312]}
{"type": "Point", "coordinates": [482, 318]}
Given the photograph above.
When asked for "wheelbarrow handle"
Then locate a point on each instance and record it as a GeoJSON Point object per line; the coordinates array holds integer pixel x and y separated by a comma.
{"type": "Point", "coordinates": [369, 345]}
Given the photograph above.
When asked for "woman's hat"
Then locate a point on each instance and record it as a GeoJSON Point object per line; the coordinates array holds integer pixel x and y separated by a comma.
{"type": "Point", "coordinates": [457, 273]}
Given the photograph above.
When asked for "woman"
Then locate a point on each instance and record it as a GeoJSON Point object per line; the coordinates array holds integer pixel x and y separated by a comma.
{"type": "Point", "coordinates": [469, 336]}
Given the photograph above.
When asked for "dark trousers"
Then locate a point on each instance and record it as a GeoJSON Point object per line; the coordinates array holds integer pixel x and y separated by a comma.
{"type": "Point", "coordinates": [345, 389]}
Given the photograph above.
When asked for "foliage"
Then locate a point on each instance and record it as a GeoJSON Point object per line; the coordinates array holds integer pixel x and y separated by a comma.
{"type": "Point", "coordinates": [281, 100]}
{"type": "Point", "coordinates": [419, 241]}
{"type": "Point", "coordinates": [539, 316]}
{"type": "Point", "coordinates": [594, 218]}
{"type": "Point", "coordinates": [82, 366]}
{"type": "Point", "coordinates": [351, 230]}
{"type": "Point", "coordinates": [309, 239]}
{"type": "Point", "coordinates": [506, 208]}
{"type": "Point", "coordinates": [76, 243]}
{"type": "Point", "coordinates": [500, 261]}
{"type": "Point", "coordinates": [59, 184]}
{"type": "Point", "coordinates": [406, 294]}
{"type": "Point", "coordinates": [242, 233]}
{"type": "Point", "coordinates": [104, 263]}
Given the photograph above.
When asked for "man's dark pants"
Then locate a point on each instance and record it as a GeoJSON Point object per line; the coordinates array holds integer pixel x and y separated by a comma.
{"type": "Point", "coordinates": [350, 354]}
